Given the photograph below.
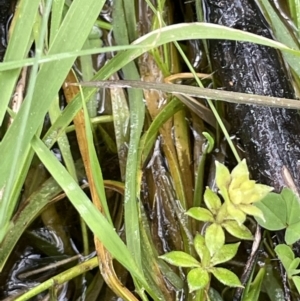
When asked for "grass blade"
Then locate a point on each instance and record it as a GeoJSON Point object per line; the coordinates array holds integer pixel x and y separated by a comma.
{"type": "Point", "coordinates": [75, 29]}
{"type": "Point", "coordinates": [17, 48]}
{"type": "Point", "coordinates": [93, 218]}
{"type": "Point", "coordinates": [137, 112]}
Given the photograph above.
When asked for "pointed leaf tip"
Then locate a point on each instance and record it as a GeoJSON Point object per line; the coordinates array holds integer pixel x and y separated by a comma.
{"type": "Point", "coordinates": [223, 177]}
{"type": "Point", "coordinates": [180, 259]}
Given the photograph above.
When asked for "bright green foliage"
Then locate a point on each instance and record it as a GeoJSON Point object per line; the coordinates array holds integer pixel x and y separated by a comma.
{"type": "Point", "coordinates": [226, 277]}
{"type": "Point", "coordinates": [281, 211]}
{"type": "Point", "coordinates": [226, 253]}
{"type": "Point", "coordinates": [210, 255]}
{"type": "Point", "coordinates": [201, 214]}
{"type": "Point", "coordinates": [239, 231]}
{"type": "Point", "coordinates": [180, 259]}
{"type": "Point", "coordinates": [212, 201]}
{"type": "Point", "coordinates": [214, 238]}
{"type": "Point", "coordinates": [252, 290]}
{"type": "Point", "coordinates": [290, 263]}
{"type": "Point", "coordinates": [197, 278]}
{"type": "Point", "coordinates": [273, 207]}
{"type": "Point", "coordinates": [238, 193]}
{"type": "Point", "coordinates": [223, 179]}
{"type": "Point", "coordinates": [201, 249]}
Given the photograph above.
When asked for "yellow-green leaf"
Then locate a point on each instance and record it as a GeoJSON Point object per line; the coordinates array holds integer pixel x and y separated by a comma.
{"type": "Point", "coordinates": [252, 210]}
{"type": "Point", "coordinates": [214, 238]}
{"type": "Point", "coordinates": [212, 201]}
{"type": "Point", "coordinates": [235, 213]}
{"type": "Point", "coordinates": [239, 174]}
{"type": "Point", "coordinates": [180, 259]}
{"type": "Point", "coordinates": [226, 277]}
{"type": "Point", "coordinates": [226, 253]}
{"type": "Point", "coordinates": [197, 278]}
{"type": "Point", "coordinates": [236, 196]}
{"type": "Point", "coordinates": [200, 214]}
{"type": "Point", "coordinates": [202, 250]}
{"type": "Point", "coordinates": [236, 230]}
{"type": "Point", "coordinates": [223, 177]}
{"type": "Point", "coordinates": [258, 193]}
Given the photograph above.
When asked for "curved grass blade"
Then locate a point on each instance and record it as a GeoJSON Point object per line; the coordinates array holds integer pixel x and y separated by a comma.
{"type": "Point", "coordinates": [165, 35]}
{"type": "Point", "coordinates": [93, 218]}
{"type": "Point", "coordinates": [26, 214]}
{"type": "Point", "coordinates": [17, 48]}
{"type": "Point", "coordinates": [71, 36]}
{"type": "Point", "coordinates": [12, 183]}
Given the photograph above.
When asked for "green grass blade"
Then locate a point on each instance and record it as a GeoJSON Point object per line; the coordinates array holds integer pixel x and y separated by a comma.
{"type": "Point", "coordinates": [228, 96]}
{"type": "Point", "coordinates": [63, 141]}
{"type": "Point", "coordinates": [59, 279]}
{"type": "Point", "coordinates": [71, 36]}
{"type": "Point", "coordinates": [121, 125]}
{"type": "Point", "coordinates": [98, 224]}
{"type": "Point", "coordinates": [18, 63]}
{"type": "Point", "coordinates": [8, 206]}
{"type": "Point", "coordinates": [29, 211]}
{"type": "Point", "coordinates": [280, 30]}
{"type": "Point", "coordinates": [17, 49]}
{"type": "Point", "coordinates": [95, 167]}
{"type": "Point", "coordinates": [129, 14]}
{"type": "Point", "coordinates": [170, 34]}
{"type": "Point", "coordinates": [137, 112]}
{"type": "Point", "coordinates": [148, 139]}
{"type": "Point", "coordinates": [56, 18]}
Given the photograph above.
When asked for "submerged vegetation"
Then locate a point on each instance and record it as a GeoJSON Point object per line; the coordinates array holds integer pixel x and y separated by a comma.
{"type": "Point", "coordinates": [110, 187]}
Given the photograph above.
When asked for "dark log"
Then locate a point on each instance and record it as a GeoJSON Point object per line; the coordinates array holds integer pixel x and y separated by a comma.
{"type": "Point", "coordinates": [269, 136]}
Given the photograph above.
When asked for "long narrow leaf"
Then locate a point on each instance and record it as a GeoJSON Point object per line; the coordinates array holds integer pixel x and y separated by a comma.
{"type": "Point", "coordinates": [137, 112]}
{"type": "Point", "coordinates": [165, 35]}
{"type": "Point", "coordinates": [17, 48]}
{"type": "Point", "coordinates": [71, 36]}
{"type": "Point", "coordinates": [93, 218]}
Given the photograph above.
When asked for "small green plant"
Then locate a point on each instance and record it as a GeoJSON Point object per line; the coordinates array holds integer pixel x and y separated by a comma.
{"type": "Point", "coordinates": [238, 193]}
{"type": "Point", "coordinates": [281, 211]}
{"type": "Point", "coordinates": [290, 263]}
{"type": "Point", "coordinates": [199, 275]}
